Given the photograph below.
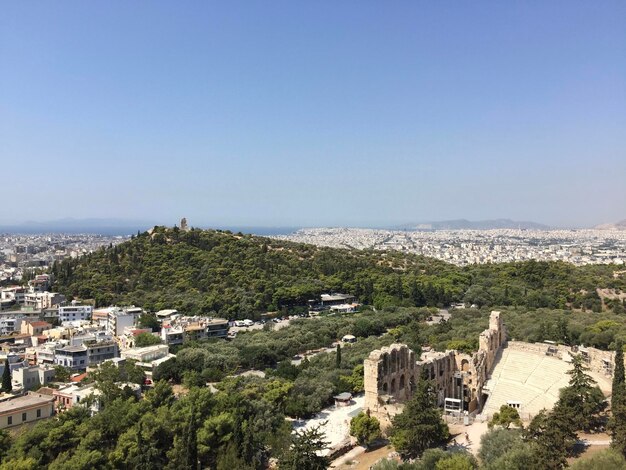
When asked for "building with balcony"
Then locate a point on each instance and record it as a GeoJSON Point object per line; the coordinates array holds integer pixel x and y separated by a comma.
{"type": "Point", "coordinates": [42, 300]}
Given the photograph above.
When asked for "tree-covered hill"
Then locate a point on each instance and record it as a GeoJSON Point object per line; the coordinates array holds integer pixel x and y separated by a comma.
{"type": "Point", "coordinates": [240, 276]}
{"type": "Point", "coordinates": [202, 271]}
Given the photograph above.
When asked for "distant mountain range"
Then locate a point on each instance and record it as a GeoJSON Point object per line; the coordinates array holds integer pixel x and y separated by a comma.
{"type": "Point", "coordinates": [463, 224]}
{"type": "Point", "coordinates": [621, 225]}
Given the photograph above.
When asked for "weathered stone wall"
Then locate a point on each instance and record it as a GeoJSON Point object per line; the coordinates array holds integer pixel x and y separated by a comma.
{"type": "Point", "coordinates": [440, 368]}
{"type": "Point", "coordinates": [390, 375]}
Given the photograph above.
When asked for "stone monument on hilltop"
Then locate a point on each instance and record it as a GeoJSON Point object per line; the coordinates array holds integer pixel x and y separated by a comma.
{"type": "Point", "coordinates": [183, 224]}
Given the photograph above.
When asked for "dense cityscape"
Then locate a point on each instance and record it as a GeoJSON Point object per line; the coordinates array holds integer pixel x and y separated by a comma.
{"type": "Point", "coordinates": [463, 247]}
{"type": "Point", "coordinates": [20, 253]}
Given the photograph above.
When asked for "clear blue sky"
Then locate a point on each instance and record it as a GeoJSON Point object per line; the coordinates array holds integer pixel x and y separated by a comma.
{"type": "Point", "coordinates": [313, 113]}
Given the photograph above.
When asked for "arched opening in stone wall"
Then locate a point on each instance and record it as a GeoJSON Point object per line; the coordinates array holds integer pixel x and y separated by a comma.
{"type": "Point", "coordinates": [385, 387]}
{"type": "Point", "coordinates": [464, 365]}
{"type": "Point", "coordinates": [393, 386]}
{"type": "Point", "coordinates": [412, 383]}
{"type": "Point", "coordinates": [402, 382]}
{"type": "Point", "coordinates": [394, 361]}
{"type": "Point", "coordinates": [432, 372]}
{"type": "Point", "coordinates": [385, 364]}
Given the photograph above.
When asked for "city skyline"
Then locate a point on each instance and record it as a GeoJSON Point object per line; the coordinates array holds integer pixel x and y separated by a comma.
{"type": "Point", "coordinates": [355, 115]}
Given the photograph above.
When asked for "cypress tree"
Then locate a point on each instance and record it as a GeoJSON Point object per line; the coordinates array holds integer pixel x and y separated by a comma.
{"type": "Point", "coordinates": [617, 424]}
{"type": "Point", "coordinates": [338, 357]}
{"type": "Point", "coordinates": [618, 374]}
{"type": "Point", "coordinates": [6, 377]}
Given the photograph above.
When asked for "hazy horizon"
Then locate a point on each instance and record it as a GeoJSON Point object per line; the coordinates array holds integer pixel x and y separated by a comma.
{"type": "Point", "coordinates": [278, 114]}
{"type": "Point", "coordinates": [114, 225]}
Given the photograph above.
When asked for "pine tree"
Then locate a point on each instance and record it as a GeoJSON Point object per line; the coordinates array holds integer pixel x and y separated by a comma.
{"type": "Point", "coordinates": [304, 451]}
{"type": "Point", "coordinates": [6, 377]}
{"type": "Point", "coordinates": [338, 357]}
{"type": "Point", "coordinates": [419, 426]}
{"type": "Point", "coordinates": [581, 400]}
{"type": "Point", "coordinates": [554, 434]}
{"type": "Point", "coordinates": [192, 441]}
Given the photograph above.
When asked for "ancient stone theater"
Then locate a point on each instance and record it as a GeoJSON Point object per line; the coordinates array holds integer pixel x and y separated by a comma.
{"type": "Point", "coordinates": [391, 374]}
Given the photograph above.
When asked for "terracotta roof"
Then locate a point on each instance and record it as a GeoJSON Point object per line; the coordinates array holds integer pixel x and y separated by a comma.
{"type": "Point", "coordinates": [79, 377]}
{"type": "Point", "coordinates": [138, 332]}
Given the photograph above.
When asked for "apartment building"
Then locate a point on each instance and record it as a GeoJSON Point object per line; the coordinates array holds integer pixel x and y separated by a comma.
{"type": "Point", "coordinates": [193, 329]}
{"type": "Point", "coordinates": [85, 355]}
{"type": "Point", "coordinates": [172, 335]}
{"type": "Point", "coordinates": [118, 319]}
{"type": "Point", "coordinates": [148, 357]}
{"type": "Point", "coordinates": [10, 325]}
{"type": "Point", "coordinates": [31, 377]}
{"type": "Point", "coordinates": [41, 300]}
{"type": "Point", "coordinates": [72, 357]}
{"type": "Point", "coordinates": [75, 312]}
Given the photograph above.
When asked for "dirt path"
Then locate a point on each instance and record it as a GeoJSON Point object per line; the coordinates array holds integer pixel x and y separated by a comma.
{"type": "Point", "coordinates": [358, 459]}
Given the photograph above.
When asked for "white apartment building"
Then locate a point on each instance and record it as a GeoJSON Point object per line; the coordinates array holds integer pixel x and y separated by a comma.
{"type": "Point", "coordinates": [75, 312]}
{"type": "Point", "coordinates": [148, 358]}
{"type": "Point", "coordinates": [15, 294]}
{"type": "Point", "coordinates": [119, 319]}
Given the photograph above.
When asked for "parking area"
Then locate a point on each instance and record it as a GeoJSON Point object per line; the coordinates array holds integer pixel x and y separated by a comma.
{"type": "Point", "coordinates": [259, 326]}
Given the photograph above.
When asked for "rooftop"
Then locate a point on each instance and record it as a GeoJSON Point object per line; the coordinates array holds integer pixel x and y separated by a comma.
{"type": "Point", "coordinates": [335, 297]}
{"type": "Point", "coordinates": [26, 401]}
{"type": "Point", "coordinates": [166, 313]}
{"type": "Point", "coordinates": [72, 349]}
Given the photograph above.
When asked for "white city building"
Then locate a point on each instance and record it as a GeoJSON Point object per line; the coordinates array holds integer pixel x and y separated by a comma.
{"type": "Point", "coordinates": [75, 312]}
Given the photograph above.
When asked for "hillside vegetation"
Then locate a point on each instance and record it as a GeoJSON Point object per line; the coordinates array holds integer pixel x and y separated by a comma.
{"type": "Point", "coordinates": [241, 276]}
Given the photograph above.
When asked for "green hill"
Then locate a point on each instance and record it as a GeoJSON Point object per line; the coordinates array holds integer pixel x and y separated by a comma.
{"type": "Point", "coordinates": [240, 276]}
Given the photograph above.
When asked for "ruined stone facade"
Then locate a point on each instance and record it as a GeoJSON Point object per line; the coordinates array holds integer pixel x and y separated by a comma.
{"type": "Point", "coordinates": [391, 373]}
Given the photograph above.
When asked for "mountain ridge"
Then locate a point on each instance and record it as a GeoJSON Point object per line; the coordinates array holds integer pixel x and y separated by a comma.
{"type": "Point", "coordinates": [621, 225]}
